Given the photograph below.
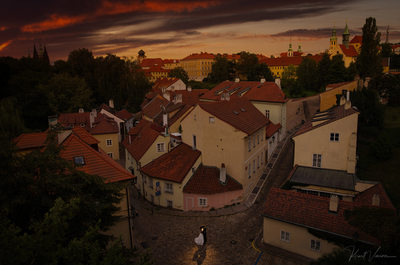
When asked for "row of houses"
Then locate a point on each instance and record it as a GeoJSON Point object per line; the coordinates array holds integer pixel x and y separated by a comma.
{"type": "Point", "coordinates": [307, 215]}
{"type": "Point", "coordinates": [204, 149]}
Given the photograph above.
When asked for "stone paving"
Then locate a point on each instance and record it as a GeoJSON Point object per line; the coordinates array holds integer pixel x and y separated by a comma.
{"type": "Point", "coordinates": [169, 234]}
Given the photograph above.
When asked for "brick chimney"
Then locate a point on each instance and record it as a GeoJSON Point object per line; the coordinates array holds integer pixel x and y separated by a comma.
{"type": "Point", "coordinates": [262, 80]}
{"type": "Point", "coordinates": [111, 103]}
{"type": "Point", "coordinates": [237, 80]}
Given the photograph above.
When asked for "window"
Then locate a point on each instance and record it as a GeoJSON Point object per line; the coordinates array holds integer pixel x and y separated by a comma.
{"type": "Point", "coordinates": [109, 142]}
{"type": "Point", "coordinates": [169, 188]}
{"type": "Point", "coordinates": [144, 180]}
{"type": "Point", "coordinates": [267, 113]}
{"type": "Point", "coordinates": [194, 141]}
{"type": "Point", "coordinates": [211, 119]}
{"type": "Point", "coordinates": [249, 170]}
{"type": "Point", "coordinates": [169, 204]}
{"type": "Point", "coordinates": [152, 199]}
{"type": "Point", "coordinates": [202, 202]}
{"type": "Point", "coordinates": [258, 162]}
{"type": "Point", "coordinates": [285, 236]}
{"type": "Point", "coordinates": [194, 117]}
{"type": "Point", "coordinates": [262, 135]}
{"type": "Point", "coordinates": [249, 143]}
{"type": "Point", "coordinates": [110, 155]}
{"type": "Point", "coordinates": [317, 160]}
{"type": "Point", "coordinates": [254, 141]}
{"type": "Point", "coordinates": [262, 158]}
{"type": "Point", "coordinates": [315, 245]}
{"type": "Point", "coordinates": [150, 183]}
{"type": "Point", "coordinates": [258, 138]}
{"type": "Point", "coordinates": [79, 161]}
{"type": "Point", "coordinates": [254, 166]}
{"type": "Point", "coordinates": [82, 125]}
{"type": "Point", "coordinates": [160, 147]}
{"type": "Point", "coordinates": [334, 137]}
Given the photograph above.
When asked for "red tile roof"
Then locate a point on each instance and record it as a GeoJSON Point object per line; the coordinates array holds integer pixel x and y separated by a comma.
{"type": "Point", "coordinates": [85, 136]}
{"type": "Point", "coordinates": [124, 115]}
{"type": "Point", "coordinates": [356, 39]}
{"type": "Point", "coordinates": [252, 90]}
{"type": "Point", "coordinates": [174, 165]}
{"type": "Point", "coordinates": [350, 51]}
{"type": "Point", "coordinates": [96, 163]}
{"type": "Point", "coordinates": [202, 55]}
{"type": "Point", "coordinates": [152, 109]}
{"type": "Point", "coordinates": [150, 62]}
{"type": "Point", "coordinates": [182, 109]}
{"type": "Point", "coordinates": [75, 119]}
{"type": "Point", "coordinates": [272, 129]}
{"type": "Point", "coordinates": [31, 140]}
{"type": "Point", "coordinates": [164, 83]}
{"type": "Point", "coordinates": [313, 212]}
{"type": "Point", "coordinates": [191, 97]}
{"type": "Point", "coordinates": [206, 181]}
{"type": "Point", "coordinates": [104, 125]}
{"type": "Point", "coordinates": [334, 114]}
{"type": "Point", "coordinates": [365, 198]}
{"type": "Point", "coordinates": [238, 112]}
{"type": "Point", "coordinates": [142, 136]}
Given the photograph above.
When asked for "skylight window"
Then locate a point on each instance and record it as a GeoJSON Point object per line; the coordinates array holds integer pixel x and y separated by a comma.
{"type": "Point", "coordinates": [79, 160]}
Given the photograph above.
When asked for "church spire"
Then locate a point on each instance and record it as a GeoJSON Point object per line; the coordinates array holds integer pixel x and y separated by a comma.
{"type": "Point", "coordinates": [346, 36]}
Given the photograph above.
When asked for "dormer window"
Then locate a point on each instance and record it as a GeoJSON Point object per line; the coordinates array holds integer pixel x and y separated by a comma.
{"type": "Point", "coordinates": [82, 124]}
{"type": "Point", "coordinates": [79, 161]}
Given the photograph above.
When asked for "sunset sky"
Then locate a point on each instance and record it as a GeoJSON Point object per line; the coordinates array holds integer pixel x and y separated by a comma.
{"type": "Point", "coordinates": [176, 28]}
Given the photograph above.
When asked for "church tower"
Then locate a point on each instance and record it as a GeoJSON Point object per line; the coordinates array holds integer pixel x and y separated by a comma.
{"type": "Point", "coordinates": [333, 40]}
{"type": "Point", "coordinates": [346, 37]}
{"type": "Point", "coordinates": [290, 51]}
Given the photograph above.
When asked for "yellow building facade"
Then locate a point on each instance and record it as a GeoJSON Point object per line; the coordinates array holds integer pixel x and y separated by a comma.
{"type": "Point", "coordinates": [328, 98]}
{"type": "Point", "coordinates": [198, 66]}
{"type": "Point", "coordinates": [109, 144]}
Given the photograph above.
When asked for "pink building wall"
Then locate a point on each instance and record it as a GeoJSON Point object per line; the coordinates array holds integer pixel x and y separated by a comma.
{"type": "Point", "coordinates": [219, 200]}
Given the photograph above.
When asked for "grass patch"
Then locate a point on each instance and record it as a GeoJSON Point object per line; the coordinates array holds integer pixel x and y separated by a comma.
{"type": "Point", "coordinates": [370, 167]}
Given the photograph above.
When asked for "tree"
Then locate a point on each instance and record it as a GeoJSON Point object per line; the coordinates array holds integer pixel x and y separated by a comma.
{"type": "Point", "coordinates": [289, 81]}
{"type": "Point", "coordinates": [386, 50]}
{"type": "Point", "coordinates": [263, 71]}
{"type": "Point", "coordinates": [371, 110]}
{"type": "Point", "coordinates": [179, 72]}
{"type": "Point", "coordinates": [369, 62]}
{"type": "Point", "coordinates": [11, 123]}
{"type": "Point", "coordinates": [222, 69]}
{"type": "Point", "coordinates": [388, 87]}
{"type": "Point", "coordinates": [67, 94]}
{"type": "Point", "coordinates": [247, 66]}
{"type": "Point", "coordinates": [306, 75]}
{"type": "Point", "coordinates": [323, 71]}
{"type": "Point", "coordinates": [337, 71]}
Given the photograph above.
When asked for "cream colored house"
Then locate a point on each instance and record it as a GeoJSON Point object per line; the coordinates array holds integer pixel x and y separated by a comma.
{"type": "Point", "coordinates": [145, 143]}
{"type": "Point", "coordinates": [198, 65]}
{"type": "Point", "coordinates": [232, 133]}
{"type": "Point", "coordinates": [267, 97]}
{"type": "Point", "coordinates": [328, 97]}
{"type": "Point", "coordinates": [302, 223]}
{"type": "Point", "coordinates": [106, 131]}
{"type": "Point", "coordinates": [166, 176]}
{"type": "Point", "coordinates": [329, 140]}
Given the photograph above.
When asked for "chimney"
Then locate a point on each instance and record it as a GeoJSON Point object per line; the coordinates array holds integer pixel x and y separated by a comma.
{"type": "Point", "coordinates": [222, 174]}
{"type": "Point", "coordinates": [130, 138]}
{"type": "Point", "coordinates": [237, 80]}
{"type": "Point", "coordinates": [342, 101]}
{"type": "Point", "coordinates": [278, 82]}
{"type": "Point", "coordinates": [189, 88]}
{"type": "Point", "coordinates": [334, 203]}
{"type": "Point", "coordinates": [92, 117]}
{"type": "Point", "coordinates": [111, 103]}
{"type": "Point", "coordinates": [81, 110]}
{"type": "Point", "coordinates": [347, 105]}
{"type": "Point", "coordinates": [262, 80]}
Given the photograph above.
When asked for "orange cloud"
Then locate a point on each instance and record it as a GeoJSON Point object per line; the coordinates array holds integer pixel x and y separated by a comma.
{"type": "Point", "coordinates": [54, 22]}
{"type": "Point", "coordinates": [110, 8]}
{"type": "Point", "coordinates": [5, 44]}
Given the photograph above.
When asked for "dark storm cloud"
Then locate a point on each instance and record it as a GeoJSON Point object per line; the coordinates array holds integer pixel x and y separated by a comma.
{"type": "Point", "coordinates": [59, 23]}
{"type": "Point", "coordinates": [313, 33]}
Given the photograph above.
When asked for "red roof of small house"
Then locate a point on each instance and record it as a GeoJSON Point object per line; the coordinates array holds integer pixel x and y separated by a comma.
{"type": "Point", "coordinates": [142, 137]}
{"type": "Point", "coordinates": [272, 129]}
{"type": "Point", "coordinates": [312, 211]}
{"type": "Point", "coordinates": [335, 85]}
{"type": "Point", "coordinates": [350, 51]}
{"type": "Point", "coordinates": [31, 140]}
{"type": "Point", "coordinates": [150, 62]}
{"type": "Point", "coordinates": [95, 163]}
{"type": "Point", "coordinates": [107, 108]}
{"type": "Point", "coordinates": [124, 115]}
{"type": "Point", "coordinates": [238, 112]}
{"type": "Point", "coordinates": [202, 55]}
{"type": "Point", "coordinates": [327, 117]}
{"type": "Point", "coordinates": [174, 165]}
{"type": "Point", "coordinates": [85, 135]}
{"type": "Point", "coordinates": [206, 181]}
{"type": "Point", "coordinates": [104, 125]}
{"type": "Point", "coordinates": [75, 119]}
{"type": "Point", "coordinates": [152, 109]}
{"type": "Point", "coordinates": [365, 198]}
{"type": "Point", "coordinates": [252, 90]}
{"type": "Point", "coordinates": [164, 82]}
{"type": "Point", "coordinates": [356, 39]}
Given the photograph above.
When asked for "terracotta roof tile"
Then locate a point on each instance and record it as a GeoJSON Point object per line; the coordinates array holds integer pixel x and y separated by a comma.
{"type": "Point", "coordinates": [238, 112]}
{"type": "Point", "coordinates": [365, 198]}
{"type": "Point", "coordinates": [350, 51]}
{"type": "Point", "coordinates": [272, 129]}
{"type": "Point", "coordinates": [85, 135]}
{"type": "Point", "coordinates": [104, 125]}
{"type": "Point", "coordinates": [356, 39]}
{"type": "Point", "coordinates": [152, 109]}
{"type": "Point", "coordinates": [334, 114]}
{"type": "Point", "coordinates": [174, 165]}
{"type": "Point", "coordinates": [164, 82]}
{"type": "Point", "coordinates": [149, 62]}
{"type": "Point", "coordinates": [206, 181]}
{"type": "Point", "coordinates": [31, 140]}
{"type": "Point", "coordinates": [203, 55]}
{"type": "Point", "coordinates": [96, 163]}
{"type": "Point", "coordinates": [142, 136]}
{"type": "Point", "coordinates": [124, 115]}
{"type": "Point", "coordinates": [75, 119]}
{"type": "Point", "coordinates": [252, 90]}
{"type": "Point", "coordinates": [312, 211]}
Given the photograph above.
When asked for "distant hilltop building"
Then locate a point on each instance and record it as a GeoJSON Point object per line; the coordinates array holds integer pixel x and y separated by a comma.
{"type": "Point", "coordinates": [349, 49]}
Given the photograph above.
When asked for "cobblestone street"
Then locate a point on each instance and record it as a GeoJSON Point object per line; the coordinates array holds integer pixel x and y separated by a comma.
{"type": "Point", "coordinates": [169, 235]}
